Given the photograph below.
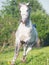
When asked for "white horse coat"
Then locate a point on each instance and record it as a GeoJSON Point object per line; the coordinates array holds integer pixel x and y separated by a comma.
{"type": "Point", "coordinates": [26, 32]}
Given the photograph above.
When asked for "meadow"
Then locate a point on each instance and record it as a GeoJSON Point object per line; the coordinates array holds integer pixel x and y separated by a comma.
{"type": "Point", "coordinates": [37, 56]}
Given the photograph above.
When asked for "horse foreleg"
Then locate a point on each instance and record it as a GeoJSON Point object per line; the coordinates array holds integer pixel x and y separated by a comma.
{"type": "Point", "coordinates": [29, 49]}
{"type": "Point", "coordinates": [24, 53]}
{"type": "Point", "coordinates": [17, 47]}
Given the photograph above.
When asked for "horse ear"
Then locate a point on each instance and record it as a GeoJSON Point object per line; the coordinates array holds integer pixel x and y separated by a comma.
{"type": "Point", "coordinates": [20, 4]}
{"type": "Point", "coordinates": [28, 4]}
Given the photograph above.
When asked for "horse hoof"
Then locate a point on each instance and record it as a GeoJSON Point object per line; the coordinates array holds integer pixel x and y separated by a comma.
{"type": "Point", "coordinates": [23, 60]}
{"type": "Point", "coordinates": [12, 64]}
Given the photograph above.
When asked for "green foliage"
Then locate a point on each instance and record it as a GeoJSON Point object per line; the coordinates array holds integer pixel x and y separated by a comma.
{"type": "Point", "coordinates": [7, 25]}
{"type": "Point", "coordinates": [9, 22]}
{"type": "Point", "coordinates": [13, 6]}
{"type": "Point", "coordinates": [42, 22]}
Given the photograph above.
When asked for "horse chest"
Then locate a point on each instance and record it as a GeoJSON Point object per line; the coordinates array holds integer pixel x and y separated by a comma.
{"type": "Point", "coordinates": [24, 32]}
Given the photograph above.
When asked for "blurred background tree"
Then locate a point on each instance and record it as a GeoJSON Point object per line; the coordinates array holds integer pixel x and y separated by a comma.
{"type": "Point", "coordinates": [9, 21]}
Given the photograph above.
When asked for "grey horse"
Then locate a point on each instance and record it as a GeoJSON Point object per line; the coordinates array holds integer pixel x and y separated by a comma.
{"type": "Point", "coordinates": [26, 33]}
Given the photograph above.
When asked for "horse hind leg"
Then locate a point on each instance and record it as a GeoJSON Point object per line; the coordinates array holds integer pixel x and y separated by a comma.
{"type": "Point", "coordinates": [38, 43]}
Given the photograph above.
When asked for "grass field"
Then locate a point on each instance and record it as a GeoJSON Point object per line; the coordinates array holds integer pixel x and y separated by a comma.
{"type": "Point", "coordinates": [35, 57]}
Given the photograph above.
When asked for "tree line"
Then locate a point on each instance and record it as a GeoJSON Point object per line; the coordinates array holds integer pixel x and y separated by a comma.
{"type": "Point", "coordinates": [9, 21]}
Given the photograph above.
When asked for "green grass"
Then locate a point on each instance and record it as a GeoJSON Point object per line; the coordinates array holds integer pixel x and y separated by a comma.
{"type": "Point", "coordinates": [34, 57]}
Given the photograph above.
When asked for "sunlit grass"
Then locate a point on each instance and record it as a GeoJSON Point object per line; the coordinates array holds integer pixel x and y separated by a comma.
{"type": "Point", "coordinates": [34, 57]}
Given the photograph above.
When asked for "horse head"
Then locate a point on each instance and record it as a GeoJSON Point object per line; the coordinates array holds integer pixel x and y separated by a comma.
{"type": "Point", "coordinates": [24, 11]}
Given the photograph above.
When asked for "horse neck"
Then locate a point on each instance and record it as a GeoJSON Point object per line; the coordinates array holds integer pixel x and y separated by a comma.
{"type": "Point", "coordinates": [26, 22]}
{"type": "Point", "coordinates": [29, 24]}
